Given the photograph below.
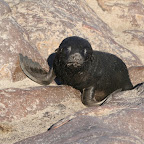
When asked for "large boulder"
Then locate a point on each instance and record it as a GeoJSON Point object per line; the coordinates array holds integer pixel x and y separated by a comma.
{"type": "Point", "coordinates": [18, 103]}
{"type": "Point", "coordinates": [119, 120]}
{"type": "Point", "coordinates": [14, 40]}
{"type": "Point", "coordinates": [4, 8]}
{"type": "Point", "coordinates": [126, 19]}
{"type": "Point", "coordinates": [48, 23]}
{"type": "Point", "coordinates": [136, 74]}
{"type": "Point", "coordinates": [36, 28]}
{"type": "Point", "coordinates": [30, 111]}
{"type": "Point", "coordinates": [12, 43]}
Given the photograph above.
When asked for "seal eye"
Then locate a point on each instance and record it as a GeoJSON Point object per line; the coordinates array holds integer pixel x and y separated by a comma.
{"type": "Point", "coordinates": [85, 51]}
{"type": "Point", "coordinates": [67, 50]}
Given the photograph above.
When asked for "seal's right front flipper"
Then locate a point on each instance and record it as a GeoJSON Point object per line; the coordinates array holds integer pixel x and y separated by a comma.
{"type": "Point", "coordinates": [88, 95]}
{"type": "Point", "coordinates": [35, 72]}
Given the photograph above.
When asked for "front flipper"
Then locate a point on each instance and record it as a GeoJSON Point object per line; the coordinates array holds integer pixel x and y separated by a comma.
{"type": "Point", "coordinates": [35, 72]}
{"type": "Point", "coordinates": [88, 97]}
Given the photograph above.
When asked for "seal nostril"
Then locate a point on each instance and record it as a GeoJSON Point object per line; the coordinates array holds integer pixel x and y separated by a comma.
{"type": "Point", "coordinates": [75, 57]}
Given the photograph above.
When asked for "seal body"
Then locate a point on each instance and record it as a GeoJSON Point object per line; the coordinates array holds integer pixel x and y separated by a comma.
{"type": "Point", "coordinates": [103, 72]}
{"type": "Point", "coordinates": [95, 74]}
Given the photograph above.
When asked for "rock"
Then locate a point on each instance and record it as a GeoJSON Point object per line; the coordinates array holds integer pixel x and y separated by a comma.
{"type": "Point", "coordinates": [48, 23]}
{"type": "Point", "coordinates": [18, 103]}
{"type": "Point", "coordinates": [4, 8]}
{"type": "Point", "coordinates": [120, 120]}
{"type": "Point", "coordinates": [37, 28]}
{"type": "Point", "coordinates": [30, 111]}
{"type": "Point", "coordinates": [13, 42]}
{"type": "Point", "coordinates": [136, 74]}
{"type": "Point", "coordinates": [125, 18]}
{"type": "Point", "coordinates": [12, 3]}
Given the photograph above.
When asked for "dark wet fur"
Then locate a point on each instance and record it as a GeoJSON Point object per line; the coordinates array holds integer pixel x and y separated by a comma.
{"type": "Point", "coordinates": [104, 71]}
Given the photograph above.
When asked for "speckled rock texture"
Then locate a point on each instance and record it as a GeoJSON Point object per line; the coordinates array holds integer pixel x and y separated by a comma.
{"type": "Point", "coordinates": [36, 28]}
{"type": "Point", "coordinates": [120, 120]}
{"type": "Point", "coordinates": [136, 74]}
{"type": "Point", "coordinates": [29, 111]}
{"type": "Point", "coordinates": [4, 8]}
{"type": "Point", "coordinates": [14, 40]}
{"type": "Point", "coordinates": [49, 22]}
{"type": "Point", "coordinates": [12, 43]}
{"type": "Point", "coordinates": [126, 19]}
{"type": "Point", "coordinates": [18, 103]}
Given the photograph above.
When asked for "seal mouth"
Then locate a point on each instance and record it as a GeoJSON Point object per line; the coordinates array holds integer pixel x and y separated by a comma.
{"type": "Point", "coordinates": [74, 64]}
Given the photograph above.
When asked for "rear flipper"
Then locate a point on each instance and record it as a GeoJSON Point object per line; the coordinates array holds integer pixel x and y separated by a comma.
{"type": "Point", "coordinates": [35, 72]}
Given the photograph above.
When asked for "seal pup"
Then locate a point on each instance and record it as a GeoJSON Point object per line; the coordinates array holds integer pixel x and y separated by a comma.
{"type": "Point", "coordinates": [95, 74]}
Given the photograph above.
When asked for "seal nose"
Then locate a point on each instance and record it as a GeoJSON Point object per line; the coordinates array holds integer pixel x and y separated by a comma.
{"type": "Point", "coordinates": [75, 59]}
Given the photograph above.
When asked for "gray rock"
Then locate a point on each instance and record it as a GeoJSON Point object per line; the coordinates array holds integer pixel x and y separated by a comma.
{"type": "Point", "coordinates": [4, 8]}
{"type": "Point", "coordinates": [136, 74]}
{"type": "Point", "coordinates": [120, 120]}
{"type": "Point", "coordinates": [49, 22]}
{"type": "Point", "coordinates": [12, 42]}
{"type": "Point", "coordinates": [18, 103]}
{"type": "Point", "coordinates": [36, 28]}
{"type": "Point", "coordinates": [125, 18]}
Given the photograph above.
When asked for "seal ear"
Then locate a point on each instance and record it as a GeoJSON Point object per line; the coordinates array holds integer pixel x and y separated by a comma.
{"type": "Point", "coordinates": [35, 72]}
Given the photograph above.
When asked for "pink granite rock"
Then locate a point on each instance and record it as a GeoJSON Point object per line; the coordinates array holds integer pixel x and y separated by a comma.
{"type": "Point", "coordinates": [121, 121]}
{"type": "Point", "coordinates": [48, 23]}
{"type": "Point", "coordinates": [136, 74]}
{"type": "Point", "coordinates": [12, 42]}
{"type": "Point", "coordinates": [126, 19]}
{"type": "Point", "coordinates": [4, 8]}
{"type": "Point", "coordinates": [18, 103]}
{"type": "Point", "coordinates": [37, 28]}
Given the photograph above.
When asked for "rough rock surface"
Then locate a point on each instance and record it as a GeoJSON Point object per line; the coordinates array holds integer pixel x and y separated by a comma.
{"type": "Point", "coordinates": [17, 103]}
{"type": "Point", "coordinates": [49, 22]}
{"type": "Point", "coordinates": [126, 19]}
{"type": "Point", "coordinates": [136, 74]}
{"type": "Point", "coordinates": [29, 111]}
{"type": "Point", "coordinates": [4, 8]}
{"type": "Point", "coordinates": [120, 120]}
{"type": "Point", "coordinates": [36, 28]}
{"type": "Point", "coordinates": [12, 43]}
{"type": "Point", "coordinates": [13, 40]}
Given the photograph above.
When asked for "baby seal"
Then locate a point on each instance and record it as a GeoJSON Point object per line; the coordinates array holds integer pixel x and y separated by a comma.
{"type": "Point", "coordinates": [95, 74]}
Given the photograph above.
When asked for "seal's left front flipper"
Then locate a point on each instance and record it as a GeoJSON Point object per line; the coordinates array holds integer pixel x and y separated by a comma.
{"type": "Point", "coordinates": [35, 72]}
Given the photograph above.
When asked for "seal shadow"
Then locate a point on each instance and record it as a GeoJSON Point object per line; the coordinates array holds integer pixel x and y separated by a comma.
{"type": "Point", "coordinates": [50, 60]}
